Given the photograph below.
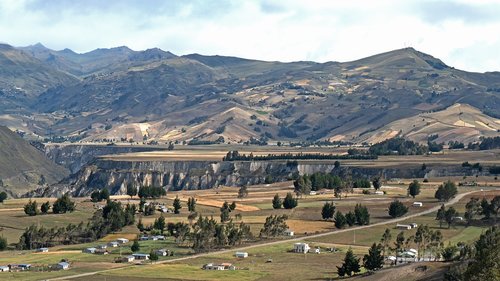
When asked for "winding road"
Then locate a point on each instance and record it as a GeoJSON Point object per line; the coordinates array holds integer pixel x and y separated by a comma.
{"type": "Point", "coordinates": [391, 221]}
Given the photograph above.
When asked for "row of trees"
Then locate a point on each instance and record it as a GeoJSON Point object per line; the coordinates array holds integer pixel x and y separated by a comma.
{"type": "Point", "coordinates": [62, 205]}
{"type": "Point", "coordinates": [110, 219]}
{"type": "Point", "coordinates": [289, 202]}
{"type": "Point", "coordinates": [488, 210]}
{"type": "Point", "coordinates": [236, 156]}
{"type": "Point", "coordinates": [360, 216]}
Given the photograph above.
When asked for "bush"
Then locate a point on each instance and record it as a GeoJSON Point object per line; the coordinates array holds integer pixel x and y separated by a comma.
{"type": "Point", "coordinates": [290, 202]}
{"type": "Point", "coordinates": [63, 205]}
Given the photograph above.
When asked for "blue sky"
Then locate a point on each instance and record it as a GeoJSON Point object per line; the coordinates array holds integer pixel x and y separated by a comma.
{"type": "Point", "coordinates": [464, 34]}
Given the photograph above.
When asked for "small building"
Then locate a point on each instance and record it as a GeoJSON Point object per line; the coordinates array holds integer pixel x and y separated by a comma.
{"type": "Point", "coordinates": [379, 192]}
{"type": "Point", "coordinates": [414, 251]}
{"type": "Point", "coordinates": [43, 250]}
{"type": "Point", "coordinates": [102, 247]}
{"type": "Point", "coordinates": [24, 266]}
{"type": "Point", "coordinates": [62, 266]}
{"type": "Point", "coordinates": [89, 250]}
{"type": "Point", "coordinates": [4, 268]}
{"type": "Point", "coordinates": [141, 256]}
{"type": "Point", "coordinates": [312, 192]}
{"type": "Point", "coordinates": [144, 238]}
{"type": "Point", "coordinates": [301, 248]}
{"type": "Point", "coordinates": [162, 252]}
{"type": "Point", "coordinates": [122, 240]}
{"type": "Point", "coordinates": [413, 225]}
{"type": "Point", "coordinates": [113, 244]}
{"type": "Point", "coordinates": [241, 255]}
{"type": "Point", "coordinates": [159, 237]}
{"type": "Point", "coordinates": [289, 232]}
{"type": "Point", "coordinates": [403, 226]}
{"type": "Point", "coordinates": [417, 204]}
{"type": "Point", "coordinates": [211, 266]}
{"type": "Point", "coordinates": [128, 259]}
{"type": "Point", "coordinates": [228, 266]}
{"type": "Point", "coordinates": [154, 238]}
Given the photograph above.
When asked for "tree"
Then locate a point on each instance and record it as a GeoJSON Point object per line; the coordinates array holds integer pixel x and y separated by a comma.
{"type": "Point", "coordinates": [191, 204]}
{"type": "Point", "coordinates": [397, 209]}
{"type": "Point", "coordinates": [350, 265]}
{"type": "Point", "coordinates": [414, 188]}
{"type": "Point", "coordinates": [472, 208]}
{"type": "Point", "coordinates": [486, 209]}
{"type": "Point", "coordinates": [340, 220]}
{"type": "Point", "coordinates": [131, 190]}
{"type": "Point", "coordinates": [159, 224]}
{"type": "Point", "coordinates": [277, 202]}
{"type": "Point", "coordinates": [135, 246]}
{"type": "Point", "coordinates": [268, 179]}
{"type": "Point", "coordinates": [485, 264]}
{"type": "Point", "coordinates": [446, 191]}
{"type": "Point", "coordinates": [374, 260]}
{"type": "Point", "coordinates": [350, 218]}
{"type": "Point", "coordinates": [243, 192]}
{"type": "Point", "coordinates": [3, 196]}
{"type": "Point", "coordinates": [440, 216]}
{"type": "Point", "coordinates": [31, 209]}
{"type": "Point", "coordinates": [362, 214]}
{"type": "Point", "coordinates": [377, 184]}
{"type": "Point", "coordinates": [63, 205]}
{"type": "Point", "coordinates": [450, 215]}
{"type": "Point", "coordinates": [3, 243]}
{"type": "Point", "coordinates": [302, 185]}
{"type": "Point", "coordinates": [336, 164]}
{"type": "Point", "coordinates": [224, 212]}
{"type": "Point", "coordinates": [45, 207]}
{"type": "Point", "coordinates": [153, 256]}
{"type": "Point", "coordinates": [450, 252]}
{"type": "Point", "coordinates": [274, 226]}
{"type": "Point", "coordinates": [289, 202]}
{"type": "Point", "coordinates": [104, 194]}
{"type": "Point", "coordinates": [328, 210]}
{"type": "Point", "coordinates": [232, 207]}
{"type": "Point", "coordinates": [385, 241]}
{"type": "Point", "coordinates": [177, 205]}
{"type": "Point", "coordinates": [398, 245]}
{"type": "Point", "coordinates": [95, 196]}
{"type": "Point", "coordinates": [140, 225]}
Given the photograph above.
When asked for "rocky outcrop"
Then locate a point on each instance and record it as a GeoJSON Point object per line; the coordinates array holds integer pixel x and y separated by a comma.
{"type": "Point", "coordinates": [75, 157]}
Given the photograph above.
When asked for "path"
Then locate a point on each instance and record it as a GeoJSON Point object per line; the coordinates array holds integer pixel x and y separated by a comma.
{"type": "Point", "coordinates": [433, 209]}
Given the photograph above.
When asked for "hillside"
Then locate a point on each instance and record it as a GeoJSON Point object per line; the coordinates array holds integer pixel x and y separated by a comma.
{"type": "Point", "coordinates": [23, 167]}
{"type": "Point", "coordinates": [459, 122]}
{"type": "Point", "coordinates": [155, 95]}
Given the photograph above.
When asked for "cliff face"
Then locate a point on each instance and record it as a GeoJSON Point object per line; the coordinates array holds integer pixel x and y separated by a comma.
{"type": "Point", "coordinates": [75, 157]}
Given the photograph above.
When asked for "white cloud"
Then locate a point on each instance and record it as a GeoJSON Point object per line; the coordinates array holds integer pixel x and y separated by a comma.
{"type": "Point", "coordinates": [461, 33]}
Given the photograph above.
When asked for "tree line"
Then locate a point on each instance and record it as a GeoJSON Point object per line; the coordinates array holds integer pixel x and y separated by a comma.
{"type": "Point", "coordinates": [236, 156]}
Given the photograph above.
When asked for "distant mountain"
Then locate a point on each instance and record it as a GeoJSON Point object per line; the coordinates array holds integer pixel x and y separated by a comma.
{"type": "Point", "coordinates": [155, 95]}
{"type": "Point", "coordinates": [23, 167]}
{"type": "Point", "coordinates": [96, 61]}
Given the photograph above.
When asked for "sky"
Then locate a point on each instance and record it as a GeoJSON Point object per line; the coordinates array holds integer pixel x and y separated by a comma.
{"type": "Point", "coordinates": [464, 34]}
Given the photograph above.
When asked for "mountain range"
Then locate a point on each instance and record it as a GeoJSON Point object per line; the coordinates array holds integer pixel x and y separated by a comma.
{"type": "Point", "coordinates": [121, 94]}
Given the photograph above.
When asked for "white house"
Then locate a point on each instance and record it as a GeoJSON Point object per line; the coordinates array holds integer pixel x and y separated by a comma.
{"type": "Point", "coordinates": [413, 225]}
{"type": "Point", "coordinates": [211, 266]}
{"type": "Point", "coordinates": [43, 250]}
{"type": "Point", "coordinates": [122, 240]}
{"type": "Point", "coordinates": [241, 254]}
{"type": "Point", "coordinates": [159, 237]}
{"type": "Point", "coordinates": [301, 248]}
{"type": "Point", "coordinates": [417, 204]}
{"type": "Point", "coordinates": [414, 251]}
{"type": "Point", "coordinates": [89, 250]}
{"type": "Point", "coordinates": [141, 256]}
{"type": "Point", "coordinates": [62, 266]}
{"type": "Point", "coordinates": [162, 252]}
{"type": "Point", "coordinates": [379, 192]}
{"type": "Point", "coordinates": [128, 259]}
{"type": "Point", "coordinates": [403, 226]}
{"type": "Point", "coordinates": [289, 232]}
{"type": "Point", "coordinates": [113, 244]}
{"type": "Point", "coordinates": [4, 268]}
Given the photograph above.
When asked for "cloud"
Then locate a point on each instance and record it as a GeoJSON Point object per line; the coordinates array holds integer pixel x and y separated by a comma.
{"type": "Point", "coordinates": [322, 30]}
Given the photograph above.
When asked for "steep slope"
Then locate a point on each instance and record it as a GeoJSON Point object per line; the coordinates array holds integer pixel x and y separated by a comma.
{"type": "Point", "coordinates": [459, 122]}
{"type": "Point", "coordinates": [23, 167]}
{"type": "Point", "coordinates": [23, 77]}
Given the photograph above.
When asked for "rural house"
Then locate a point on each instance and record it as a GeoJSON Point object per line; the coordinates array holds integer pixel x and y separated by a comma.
{"type": "Point", "coordinates": [62, 266]}
{"type": "Point", "coordinates": [141, 256]}
{"type": "Point", "coordinates": [89, 250]}
{"type": "Point", "coordinates": [122, 240]}
{"type": "Point", "coordinates": [43, 250]}
{"type": "Point", "coordinates": [241, 254]}
{"type": "Point", "coordinates": [4, 268]}
{"type": "Point", "coordinates": [301, 248]}
{"type": "Point", "coordinates": [113, 244]}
